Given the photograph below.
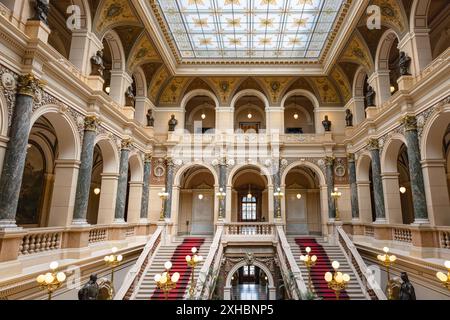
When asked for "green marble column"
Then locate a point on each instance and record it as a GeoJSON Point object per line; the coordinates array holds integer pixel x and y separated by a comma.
{"type": "Point", "coordinates": [16, 151]}
{"type": "Point", "coordinates": [380, 210]}
{"type": "Point", "coordinates": [169, 185]}
{"type": "Point", "coordinates": [121, 197]}
{"type": "Point", "coordinates": [415, 170]}
{"type": "Point", "coordinates": [329, 163]}
{"type": "Point", "coordinates": [145, 187]}
{"type": "Point", "coordinates": [222, 186]}
{"type": "Point", "coordinates": [353, 186]}
{"type": "Point", "coordinates": [85, 172]}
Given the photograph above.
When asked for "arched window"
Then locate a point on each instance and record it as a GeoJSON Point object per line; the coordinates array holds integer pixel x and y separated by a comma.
{"type": "Point", "coordinates": [248, 212]}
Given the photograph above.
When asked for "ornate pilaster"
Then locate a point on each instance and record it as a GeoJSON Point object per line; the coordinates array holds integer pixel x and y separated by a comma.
{"type": "Point", "coordinates": [121, 197]}
{"type": "Point", "coordinates": [16, 152]}
{"type": "Point", "coordinates": [276, 187]}
{"type": "Point", "coordinates": [374, 149]}
{"type": "Point", "coordinates": [329, 163]}
{"type": "Point", "coordinates": [415, 169]}
{"type": "Point", "coordinates": [353, 185]}
{"type": "Point", "coordinates": [145, 187]}
{"type": "Point", "coordinates": [169, 184]}
{"type": "Point", "coordinates": [222, 186]}
{"type": "Point", "coordinates": [85, 172]}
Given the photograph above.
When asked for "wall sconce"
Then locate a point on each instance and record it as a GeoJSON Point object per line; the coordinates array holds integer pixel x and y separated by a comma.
{"type": "Point", "coordinates": [249, 115]}
{"type": "Point", "coordinates": [402, 190]}
{"type": "Point", "coordinates": [299, 196]}
{"type": "Point", "coordinates": [97, 191]}
{"type": "Point", "coordinates": [200, 196]}
{"type": "Point", "coordinates": [203, 116]}
{"type": "Point", "coordinates": [108, 90]}
{"type": "Point", "coordinates": [295, 116]}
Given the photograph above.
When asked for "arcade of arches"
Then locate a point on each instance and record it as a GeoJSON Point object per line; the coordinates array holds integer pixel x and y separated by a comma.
{"type": "Point", "coordinates": [113, 134]}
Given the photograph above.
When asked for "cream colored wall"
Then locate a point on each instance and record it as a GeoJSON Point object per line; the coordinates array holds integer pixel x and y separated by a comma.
{"type": "Point", "coordinates": [154, 203]}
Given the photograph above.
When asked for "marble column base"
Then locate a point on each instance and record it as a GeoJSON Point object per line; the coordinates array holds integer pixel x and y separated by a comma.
{"type": "Point", "coordinates": [80, 223]}
{"type": "Point", "coordinates": [119, 221]}
{"type": "Point", "coordinates": [420, 221]}
{"type": "Point", "coordinates": [9, 225]}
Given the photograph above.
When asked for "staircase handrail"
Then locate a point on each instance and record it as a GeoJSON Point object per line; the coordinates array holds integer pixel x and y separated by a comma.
{"type": "Point", "coordinates": [206, 275]}
{"type": "Point", "coordinates": [132, 277]}
{"type": "Point", "coordinates": [372, 287]}
{"type": "Point", "coordinates": [290, 263]}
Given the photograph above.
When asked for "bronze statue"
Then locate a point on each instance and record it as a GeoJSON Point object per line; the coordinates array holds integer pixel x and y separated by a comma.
{"type": "Point", "coordinates": [370, 97]}
{"type": "Point", "coordinates": [407, 291]}
{"type": "Point", "coordinates": [97, 64]}
{"type": "Point", "coordinates": [326, 124]}
{"type": "Point", "coordinates": [90, 289]}
{"type": "Point", "coordinates": [41, 9]}
{"type": "Point", "coordinates": [172, 123]}
{"type": "Point", "coordinates": [404, 63]}
{"type": "Point", "coordinates": [129, 97]}
{"type": "Point", "coordinates": [150, 119]}
{"type": "Point", "coordinates": [348, 118]}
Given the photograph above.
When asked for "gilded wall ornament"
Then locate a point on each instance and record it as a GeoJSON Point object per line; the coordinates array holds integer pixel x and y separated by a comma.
{"type": "Point", "coordinates": [409, 122]}
{"type": "Point", "coordinates": [328, 161]}
{"type": "Point", "coordinates": [148, 157]}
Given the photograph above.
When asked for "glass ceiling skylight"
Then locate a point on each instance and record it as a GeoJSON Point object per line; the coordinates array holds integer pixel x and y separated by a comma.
{"type": "Point", "coordinates": [250, 29]}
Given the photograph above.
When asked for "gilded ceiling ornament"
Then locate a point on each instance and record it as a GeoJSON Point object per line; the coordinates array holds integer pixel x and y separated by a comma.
{"type": "Point", "coordinates": [230, 2]}
{"type": "Point", "coordinates": [236, 22]}
{"type": "Point", "coordinates": [342, 82]}
{"type": "Point", "coordinates": [310, 2]}
{"type": "Point", "coordinates": [268, 23]}
{"type": "Point", "coordinates": [195, 2]}
{"type": "Point", "coordinates": [91, 123]}
{"type": "Point", "coordinates": [113, 12]}
{"type": "Point", "coordinates": [205, 41]}
{"type": "Point", "coordinates": [235, 41]}
{"type": "Point", "coordinates": [298, 23]}
{"type": "Point", "coordinates": [327, 92]}
{"type": "Point", "coordinates": [155, 86]}
{"type": "Point", "coordinates": [391, 12]}
{"type": "Point", "coordinates": [29, 85]}
{"type": "Point", "coordinates": [294, 41]}
{"type": "Point", "coordinates": [173, 91]}
{"type": "Point", "coordinates": [265, 41]}
{"type": "Point", "coordinates": [200, 23]}
{"type": "Point", "coordinates": [357, 52]}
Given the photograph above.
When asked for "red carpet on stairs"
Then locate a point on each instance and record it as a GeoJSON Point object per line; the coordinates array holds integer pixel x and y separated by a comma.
{"type": "Point", "coordinates": [179, 265]}
{"type": "Point", "coordinates": [322, 266]}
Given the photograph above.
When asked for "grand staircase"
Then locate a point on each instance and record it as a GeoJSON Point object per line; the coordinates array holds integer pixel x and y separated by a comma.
{"type": "Point", "coordinates": [176, 253]}
{"type": "Point", "coordinates": [326, 253]}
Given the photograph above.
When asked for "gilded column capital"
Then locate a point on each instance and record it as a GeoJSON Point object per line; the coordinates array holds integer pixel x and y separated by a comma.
{"type": "Point", "coordinates": [373, 144]}
{"type": "Point", "coordinates": [148, 157]}
{"type": "Point", "coordinates": [126, 144]}
{"type": "Point", "coordinates": [169, 161]}
{"type": "Point", "coordinates": [351, 157]}
{"type": "Point", "coordinates": [329, 161]}
{"type": "Point", "coordinates": [28, 85]}
{"type": "Point", "coordinates": [223, 161]}
{"type": "Point", "coordinates": [410, 122]}
{"type": "Point", "coordinates": [91, 123]}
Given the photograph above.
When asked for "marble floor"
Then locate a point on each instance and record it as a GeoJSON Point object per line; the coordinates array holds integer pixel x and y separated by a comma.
{"type": "Point", "coordinates": [250, 291]}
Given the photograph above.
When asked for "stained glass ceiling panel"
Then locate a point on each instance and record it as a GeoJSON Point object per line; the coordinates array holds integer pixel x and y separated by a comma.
{"type": "Point", "coordinates": [250, 29]}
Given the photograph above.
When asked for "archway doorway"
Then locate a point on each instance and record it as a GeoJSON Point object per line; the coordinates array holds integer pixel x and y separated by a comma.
{"type": "Point", "coordinates": [249, 196]}
{"type": "Point", "coordinates": [250, 283]}
{"type": "Point", "coordinates": [302, 200]}
{"type": "Point", "coordinates": [196, 202]}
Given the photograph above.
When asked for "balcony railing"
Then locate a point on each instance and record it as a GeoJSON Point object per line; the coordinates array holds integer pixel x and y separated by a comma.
{"type": "Point", "coordinates": [40, 240]}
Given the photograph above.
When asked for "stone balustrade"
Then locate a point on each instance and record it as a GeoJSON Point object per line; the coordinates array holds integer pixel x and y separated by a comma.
{"type": "Point", "coordinates": [20, 242]}
{"type": "Point", "coordinates": [413, 236]}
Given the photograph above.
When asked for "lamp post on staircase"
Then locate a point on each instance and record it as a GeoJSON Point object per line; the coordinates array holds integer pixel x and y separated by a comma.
{"type": "Point", "coordinates": [337, 281]}
{"type": "Point", "coordinates": [165, 281]}
{"type": "Point", "coordinates": [113, 261]}
{"type": "Point", "coordinates": [387, 260]}
{"type": "Point", "coordinates": [445, 278]}
{"type": "Point", "coordinates": [192, 263]}
{"type": "Point", "coordinates": [278, 195]}
{"type": "Point", "coordinates": [336, 194]}
{"type": "Point", "coordinates": [310, 262]}
{"type": "Point", "coordinates": [163, 195]}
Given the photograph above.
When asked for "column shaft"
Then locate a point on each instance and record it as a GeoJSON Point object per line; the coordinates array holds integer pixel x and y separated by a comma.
{"type": "Point", "coordinates": [415, 169]}
{"type": "Point", "coordinates": [145, 187]}
{"type": "Point", "coordinates": [223, 185]}
{"type": "Point", "coordinates": [121, 196]}
{"type": "Point", "coordinates": [329, 161]}
{"type": "Point", "coordinates": [169, 185]}
{"type": "Point", "coordinates": [353, 186]}
{"type": "Point", "coordinates": [16, 152]}
{"type": "Point", "coordinates": [85, 172]}
{"type": "Point", "coordinates": [376, 180]}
